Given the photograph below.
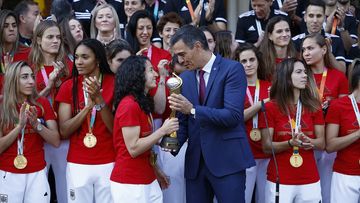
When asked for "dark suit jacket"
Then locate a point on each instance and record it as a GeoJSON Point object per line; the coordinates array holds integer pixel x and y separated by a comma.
{"type": "Point", "coordinates": [217, 131]}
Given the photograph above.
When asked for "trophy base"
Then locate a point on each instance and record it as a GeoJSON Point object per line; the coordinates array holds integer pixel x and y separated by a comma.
{"type": "Point", "coordinates": [170, 143]}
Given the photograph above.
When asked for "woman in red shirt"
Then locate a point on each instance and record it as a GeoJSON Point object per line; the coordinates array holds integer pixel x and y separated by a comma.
{"type": "Point", "coordinates": [85, 117]}
{"type": "Point", "coordinates": [10, 48]}
{"type": "Point", "coordinates": [26, 121]}
{"type": "Point", "coordinates": [276, 45]}
{"type": "Point", "coordinates": [257, 90]}
{"type": "Point", "coordinates": [50, 65]}
{"type": "Point", "coordinates": [294, 126]}
{"type": "Point", "coordinates": [343, 137]}
{"type": "Point", "coordinates": [331, 84]}
{"type": "Point", "coordinates": [133, 178]}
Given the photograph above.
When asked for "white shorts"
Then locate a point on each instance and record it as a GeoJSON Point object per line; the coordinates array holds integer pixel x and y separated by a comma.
{"type": "Point", "coordinates": [24, 188]}
{"type": "Point", "coordinates": [256, 174]}
{"type": "Point", "coordinates": [87, 183]}
{"type": "Point", "coordinates": [136, 193]}
{"type": "Point", "coordinates": [345, 188]}
{"type": "Point", "coordinates": [307, 193]}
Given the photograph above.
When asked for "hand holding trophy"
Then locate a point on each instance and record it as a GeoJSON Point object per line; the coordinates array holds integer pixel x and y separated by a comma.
{"type": "Point", "coordinates": [170, 142]}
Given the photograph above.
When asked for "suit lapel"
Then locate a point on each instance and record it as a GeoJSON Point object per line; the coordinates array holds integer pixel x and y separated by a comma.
{"type": "Point", "coordinates": [213, 74]}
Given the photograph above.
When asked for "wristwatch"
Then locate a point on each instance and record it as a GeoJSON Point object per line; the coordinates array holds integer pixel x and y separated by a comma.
{"type": "Point", "coordinates": [100, 106]}
{"type": "Point", "coordinates": [39, 127]}
{"type": "Point", "coordinates": [192, 112]}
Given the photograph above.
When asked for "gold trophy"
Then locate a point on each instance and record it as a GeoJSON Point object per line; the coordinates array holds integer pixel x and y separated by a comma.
{"type": "Point", "coordinates": [171, 142]}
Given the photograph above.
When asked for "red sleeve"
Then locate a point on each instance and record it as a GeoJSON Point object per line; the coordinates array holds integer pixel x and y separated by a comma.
{"type": "Point", "coordinates": [333, 113]}
{"type": "Point", "coordinates": [128, 113]}
{"type": "Point", "coordinates": [48, 110]}
{"type": "Point", "coordinates": [318, 117]}
{"type": "Point", "coordinates": [65, 93]}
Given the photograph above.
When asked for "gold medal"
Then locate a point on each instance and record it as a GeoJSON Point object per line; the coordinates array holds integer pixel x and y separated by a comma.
{"type": "Point", "coordinates": [255, 134]}
{"type": "Point", "coordinates": [90, 140]}
{"type": "Point", "coordinates": [20, 161]}
{"type": "Point", "coordinates": [296, 160]}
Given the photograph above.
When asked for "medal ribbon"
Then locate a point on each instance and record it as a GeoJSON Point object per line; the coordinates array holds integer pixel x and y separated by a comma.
{"type": "Point", "coordinates": [46, 81]}
{"type": "Point", "coordinates": [151, 122]}
{"type": "Point", "coordinates": [149, 52]}
{"type": "Point", "coordinates": [256, 99]}
{"type": "Point", "coordinates": [91, 120]}
{"type": "Point", "coordinates": [191, 10]}
{"type": "Point", "coordinates": [295, 126]}
{"type": "Point", "coordinates": [156, 10]}
{"type": "Point", "coordinates": [322, 84]}
{"type": "Point", "coordinates": [20, 142]}
{"type": "Point", "coordinates": [355, 107]}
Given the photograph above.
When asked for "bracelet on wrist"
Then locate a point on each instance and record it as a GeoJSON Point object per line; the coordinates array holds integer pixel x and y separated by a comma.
{"type": "Point", "coordinates": [289, 143]}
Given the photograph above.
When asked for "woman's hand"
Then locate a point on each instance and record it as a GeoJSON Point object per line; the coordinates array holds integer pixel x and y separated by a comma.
{"type": "Point", "coordinates": [31, 114]}
{"type": "Point", "coordinates": [22, 115]}
{"type": "Point", "coordinates": [141, 51]}
{"type": "Point", "coordinates": [162, 68]}
{"type": "Point", "coordinates": [162, 178]}
{"type": "Point", "coordinates": [302, 141]}
{"type": "Point", "coordinates": [170, 125]}
{"type": "Point", "coordinates": [93, 88]}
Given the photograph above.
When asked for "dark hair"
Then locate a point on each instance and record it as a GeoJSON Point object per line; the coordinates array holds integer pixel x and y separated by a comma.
{"type": "Point", "coordinates": [354, 74]}
{"type": "Point", "coordinates": [61, 9]}
{"type": "Point", "coordinates": [4, 14]}
{"type": "Point", "coordinates": [23, 7]}
{"type": "Point", "coordinates": [319, 3]}
{"type": "Point", "coordinates": [223, 43]}
{"type": "Point", "coordinates": [247, 46]}
{"type": "Point", "coordinates": [130, 80]}
{"type": "Point", "coordinates": [321, 41]}
{"type": "Point", "coordinates": [282, 88]}
{"type": "Point", "coordinates": [99, 51]}
{"type": "Point", "coordinates": [69, 41]}
{"type": "Point", "coordinates": [190, 35]}
{"type": "Point", "coordinates": [117, 46]}
{"type": "Point", "coordinates": [132, 26]}
{"type": "Point", "coordinates": [267, 47]}
{"type": "Point", "coordinates": [171, 17]}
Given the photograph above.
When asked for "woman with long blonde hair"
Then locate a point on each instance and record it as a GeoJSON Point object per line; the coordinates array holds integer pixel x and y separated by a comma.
{"type": "Point", "coordinates": [26, 121]}
{"type": "Point", "coordinates": [51, 67]}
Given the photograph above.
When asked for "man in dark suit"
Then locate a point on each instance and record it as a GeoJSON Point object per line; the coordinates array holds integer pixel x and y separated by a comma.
{"type": "Point", "coordinates": [211, 119]}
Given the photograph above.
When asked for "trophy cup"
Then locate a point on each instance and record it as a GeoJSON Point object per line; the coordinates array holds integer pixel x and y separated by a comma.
{"type": "Point", "coordinates": [171, 142]}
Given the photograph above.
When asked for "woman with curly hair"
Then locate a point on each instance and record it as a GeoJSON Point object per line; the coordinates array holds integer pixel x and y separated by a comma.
{"type": "Point", "coordinates": [26, 122]}
{"type": "Point", "coordinates": [293, 128]}
{"type": "Point", "coordinates": [133, 178]}
{"type": "Point", "coordinates": [86, 119]}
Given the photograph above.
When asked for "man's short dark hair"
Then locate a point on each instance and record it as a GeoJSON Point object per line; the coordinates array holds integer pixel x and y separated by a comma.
{"type": "Point", "coordinates": [23, 7]}
{"type": "Point", "coordinates": [319, 3]}
{"type": "Point", "coordinates": [190, 35]}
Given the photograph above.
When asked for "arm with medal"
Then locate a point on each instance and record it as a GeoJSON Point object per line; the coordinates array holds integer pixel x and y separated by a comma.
{"type": "Point", "coordinates": [8, 139]}
{"type": "Point", "coordinates": [70, 124]}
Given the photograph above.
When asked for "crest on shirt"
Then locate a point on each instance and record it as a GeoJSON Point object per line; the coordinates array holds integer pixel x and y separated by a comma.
{"type": "Point", "coordinates": [3, 198]}
{"type": "Point", "coordinates": [72, 194]}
